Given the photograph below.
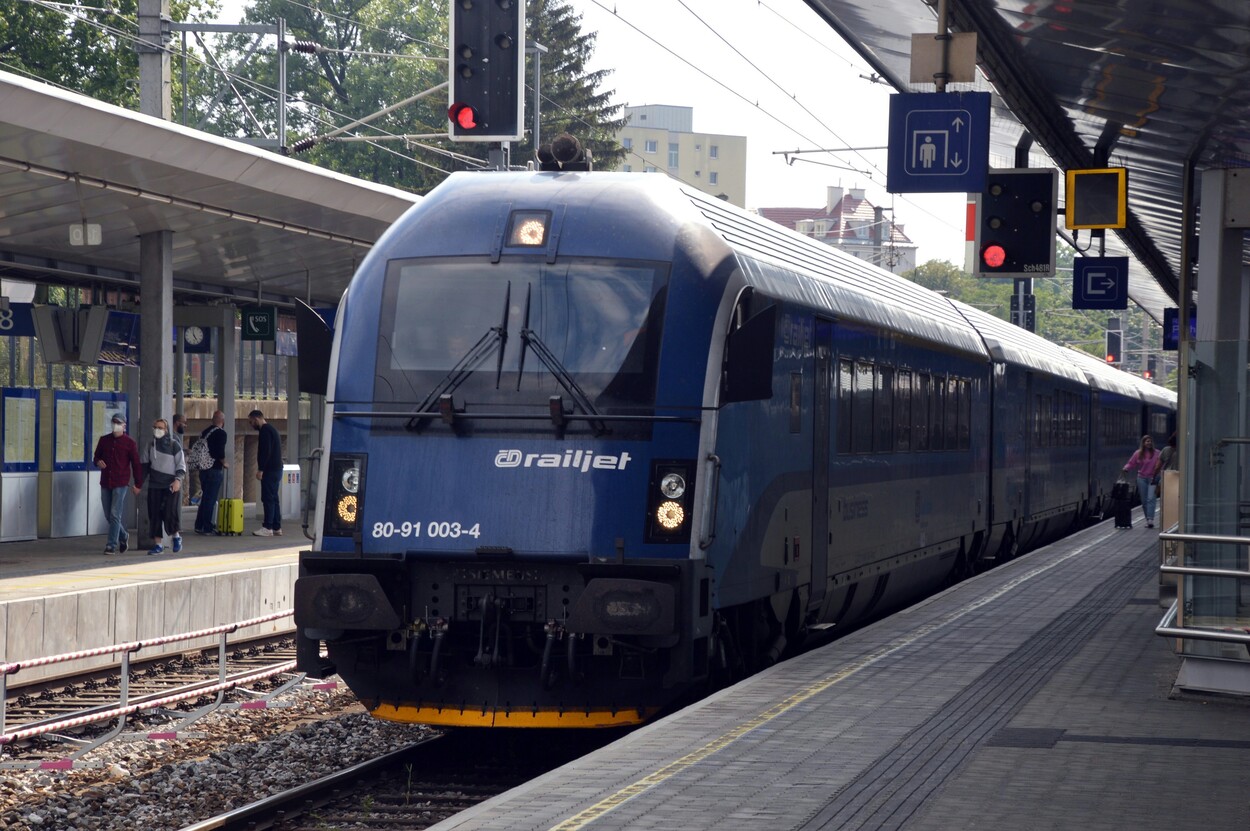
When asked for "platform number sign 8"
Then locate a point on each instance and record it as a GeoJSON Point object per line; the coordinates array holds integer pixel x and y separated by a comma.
{"type": "Point", "coordinates": [6, 320]}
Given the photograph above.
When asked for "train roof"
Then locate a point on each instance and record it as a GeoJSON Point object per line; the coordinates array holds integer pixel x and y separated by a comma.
{"type": "Point", "coordinates": [1011, 344]}
{"type": "Point", "coordinates": [652, 213]}
{"type": "Point", "coordinates": [1153, 393]}
{"type": "Point", "coordinates": [1105, 377]}
{"type": "Point", "coordinates": [824, 276]}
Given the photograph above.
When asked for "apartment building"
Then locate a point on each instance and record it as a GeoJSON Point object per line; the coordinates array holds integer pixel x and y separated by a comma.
{"type": "Point", "coordinates": [660, 138]}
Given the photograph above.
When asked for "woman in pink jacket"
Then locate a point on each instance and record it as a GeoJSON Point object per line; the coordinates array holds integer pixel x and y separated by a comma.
{"type": "Point", "coordinates": [1142, 464]}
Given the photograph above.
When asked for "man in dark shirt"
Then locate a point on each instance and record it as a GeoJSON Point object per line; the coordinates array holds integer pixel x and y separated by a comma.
{"type": "Point", "coordinates": [117, 457]}
{"type": "Point", "coordinates": [269, 472]}
{"type": "Point", "coordinates": [210, 479]}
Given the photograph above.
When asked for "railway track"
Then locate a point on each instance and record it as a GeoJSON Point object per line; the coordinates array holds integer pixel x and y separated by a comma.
{"type": "Point", "coordinates": [414, 787]}
{"type": "Point", "coordinates": [41, 718]}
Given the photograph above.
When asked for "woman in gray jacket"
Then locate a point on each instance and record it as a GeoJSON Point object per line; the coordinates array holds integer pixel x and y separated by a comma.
{"type": "Point", "coordinates": [164, 465]}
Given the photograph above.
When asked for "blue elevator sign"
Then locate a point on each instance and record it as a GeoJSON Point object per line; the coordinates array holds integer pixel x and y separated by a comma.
{"type": "Point", "coordinates": [939, 142]}
{"type": "Point", "coordinates": [1100, 283]}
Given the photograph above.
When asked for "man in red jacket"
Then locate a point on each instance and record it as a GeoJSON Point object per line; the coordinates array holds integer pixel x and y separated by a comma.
{"type": "Point", "coordinates": [117, 457]}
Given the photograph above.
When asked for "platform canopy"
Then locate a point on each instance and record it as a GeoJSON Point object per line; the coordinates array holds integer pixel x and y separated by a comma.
{"type": "Point", "coordinates": [1157, 86]}
{"type": "Point", "coordinates": [244, 220]}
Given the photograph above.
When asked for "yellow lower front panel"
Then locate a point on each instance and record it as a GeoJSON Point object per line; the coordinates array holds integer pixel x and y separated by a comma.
{"type": "Point", "coordinates": [450, 717]}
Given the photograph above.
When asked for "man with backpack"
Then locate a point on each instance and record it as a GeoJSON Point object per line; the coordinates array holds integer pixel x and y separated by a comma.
{"type": "Point", "coordinates": [208, 456]}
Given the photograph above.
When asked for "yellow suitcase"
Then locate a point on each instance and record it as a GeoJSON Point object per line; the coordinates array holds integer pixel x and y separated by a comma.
{"type": "Point", "coordinates": [229, 513]}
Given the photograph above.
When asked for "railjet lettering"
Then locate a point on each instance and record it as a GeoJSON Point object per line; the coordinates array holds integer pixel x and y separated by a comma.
{"type": "Point", "coordinates": [580, 460]}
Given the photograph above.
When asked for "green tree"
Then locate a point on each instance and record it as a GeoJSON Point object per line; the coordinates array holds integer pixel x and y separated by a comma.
{"type": "Point", "coordinates": [1056, 320]}
{"type": "Point", "coordinates": [88, 47]}
{"type": "Point", "coordinates": [573, 100]}
{"type": "Point", "coordinates": [376, 54]}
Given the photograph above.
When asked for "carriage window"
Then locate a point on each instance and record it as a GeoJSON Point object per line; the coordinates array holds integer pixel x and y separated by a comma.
{"type": "Point", "coordinates": [965, 414]}
{"type": "Point", "coordinates": [937, 410]}
{"type": "Point", "coordinates": [862, 417]}
{"type": "Point", "coordinates": [952, 413]}
{"type": "Point", "coordinates": [883, 407]}
{"type": "Point", "coordinates": [845, 393]}
{"type": "Point", "coordinates": [902, 411]}
{"type": "Point", "coordinates": [920, 411]}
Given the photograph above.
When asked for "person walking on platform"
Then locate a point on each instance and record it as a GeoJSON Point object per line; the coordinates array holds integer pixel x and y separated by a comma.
{"type": "Point", "coordinates": [1142, 464]}
{"type": "Point", "coordinates": [179, 426]}
{"type": "Point", "coordinates": [117, 457]}
{"type": "Point", "coordinates": [214, 436]}
{"type": "Point", "coordinates": [269, 472]}
{"type": "Point", "coordinates": [165, 463]}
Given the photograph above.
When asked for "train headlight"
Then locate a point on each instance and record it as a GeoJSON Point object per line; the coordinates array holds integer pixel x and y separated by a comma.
{"type": "Point", "coordinates": [528, 229]}
{"type": "Point", "coordinates": [345, 497]}
{"type": "Point", "coordinates": [673, 485]}
{"type": "Point", "coordinates": [670, 515]}
{"type": "Point", "coordinates": [669, 500]}
{"type": "Point", "coordinates": [347, 508]}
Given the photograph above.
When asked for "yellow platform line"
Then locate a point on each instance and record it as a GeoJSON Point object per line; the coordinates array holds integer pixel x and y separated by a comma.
{"type": "Point", "coordinates": [610, 803]}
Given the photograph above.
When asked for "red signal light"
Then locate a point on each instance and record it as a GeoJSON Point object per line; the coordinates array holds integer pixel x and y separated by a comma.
{"type": "Point", "coordinates": [463, 116]}
{"type": "Point", "coordinates": [994, 256]}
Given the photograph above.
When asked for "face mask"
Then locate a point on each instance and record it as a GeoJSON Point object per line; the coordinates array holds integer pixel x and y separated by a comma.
{"type": "Point", "coordinates": [160, 434]}
{"type": "Point", "coordinates": [181, 429]}
{"type": "Point", "coordinates": [118, 429]}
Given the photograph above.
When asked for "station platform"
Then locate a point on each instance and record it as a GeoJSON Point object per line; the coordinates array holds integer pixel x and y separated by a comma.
{"type": "Point", "coordinates": [1034, 696]}
{"type": "Point", "coordinates": [64, 595]}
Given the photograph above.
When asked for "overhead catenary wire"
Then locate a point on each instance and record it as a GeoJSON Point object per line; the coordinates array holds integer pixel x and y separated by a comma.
{"type": "Point", "coordinates": [260, 89]}
{"type": "Point", "coordinates": [613, 12]}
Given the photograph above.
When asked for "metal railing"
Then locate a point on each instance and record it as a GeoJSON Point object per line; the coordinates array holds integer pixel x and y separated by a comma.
{"type": "Point", "coordinates": [1168, 627]}
{"type": "Point", "coordinates": [126, 706]}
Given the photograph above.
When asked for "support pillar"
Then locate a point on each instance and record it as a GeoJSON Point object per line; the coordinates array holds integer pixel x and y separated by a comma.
{"type": "Point", "coordinates": [156, 325]}
{"type": "Point", "coordinates": [155, 80]}
{"type": "Point", "coordinates": [1216, 461]}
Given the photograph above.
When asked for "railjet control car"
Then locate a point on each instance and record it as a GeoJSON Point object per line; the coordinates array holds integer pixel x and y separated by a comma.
{"type": "Point", "coordinates": [597, 440]}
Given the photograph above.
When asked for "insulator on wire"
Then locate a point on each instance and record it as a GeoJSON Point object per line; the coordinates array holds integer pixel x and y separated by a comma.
{"type": "Point", "coordinates": [303, 144]}
{"type": "Point", "coordinates": [305, 46]}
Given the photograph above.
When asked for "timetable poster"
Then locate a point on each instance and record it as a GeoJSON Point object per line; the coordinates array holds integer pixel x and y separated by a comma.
{"type": "Point", "coordinates": [19, 430]}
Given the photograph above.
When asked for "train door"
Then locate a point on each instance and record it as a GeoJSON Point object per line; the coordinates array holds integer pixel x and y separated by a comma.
{"type": "Point", "coordinates": [820, 461]}
{"type": "Point", "coordinates": [1031, 422]}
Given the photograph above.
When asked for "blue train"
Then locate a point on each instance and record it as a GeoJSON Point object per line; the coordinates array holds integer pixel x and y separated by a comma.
{"type": "Point", "coordinates": [597, 440]}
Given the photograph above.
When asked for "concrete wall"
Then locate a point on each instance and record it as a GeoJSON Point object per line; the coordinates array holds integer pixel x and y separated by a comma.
{"type": "Point", "coordinates": [39, 627]}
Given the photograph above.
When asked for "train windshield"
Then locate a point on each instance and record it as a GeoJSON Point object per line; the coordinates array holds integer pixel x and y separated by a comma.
{"type": "Point", "coordinates": [509, 338]}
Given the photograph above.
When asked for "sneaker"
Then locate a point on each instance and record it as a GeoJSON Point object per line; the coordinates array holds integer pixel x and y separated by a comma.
{"type": "Point", "coordinates": [277, 532]}
{"type": "Point", "coordinates": [1150, 525]}
{"type": "Point", "coordinates": [195, 500]}
{"type": "Point", "coordinates": [108, 549]}
{"type": "Point", "coordinates": [177, 544]}
{"type": "Point", "coordinates": [122, 546]}
{"type": "Point", "coordinates": [156, 549]}
{"type": "Point", "coordinates": [262, 532]}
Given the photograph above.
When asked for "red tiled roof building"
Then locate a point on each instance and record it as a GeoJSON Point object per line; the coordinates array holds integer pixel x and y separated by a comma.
{"type": "Point", "coordinates": [850, 222]}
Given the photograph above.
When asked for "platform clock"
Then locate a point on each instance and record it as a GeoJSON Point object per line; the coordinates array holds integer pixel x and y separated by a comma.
{"type": "Point", "coordinates": [196, 339]}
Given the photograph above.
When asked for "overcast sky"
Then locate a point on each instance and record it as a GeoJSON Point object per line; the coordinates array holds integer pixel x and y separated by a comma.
{"type": "Point", "coordinates": [773, 71]}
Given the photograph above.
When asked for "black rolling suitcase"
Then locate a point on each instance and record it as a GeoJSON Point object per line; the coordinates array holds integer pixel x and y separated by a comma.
{"type": "Point", "coordinates": [1122, 504]}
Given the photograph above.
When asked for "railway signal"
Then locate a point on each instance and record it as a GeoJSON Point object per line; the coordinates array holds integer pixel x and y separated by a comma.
{"type": "Point", "coordinates": [1113, 346]}
{"type": "Point", "coordinates": [1016, 223]}
{"type": "Point", "coordinates": [486, 70]}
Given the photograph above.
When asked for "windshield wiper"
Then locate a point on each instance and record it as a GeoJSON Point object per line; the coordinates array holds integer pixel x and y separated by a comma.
{"type": "Point", "coordinates": [496, 338]}
{"type": "Point", "coordinates": [530, 339]}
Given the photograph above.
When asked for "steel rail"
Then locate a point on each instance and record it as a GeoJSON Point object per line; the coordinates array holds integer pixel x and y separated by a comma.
{"type": "Point", "coordinates": [152, 699]}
